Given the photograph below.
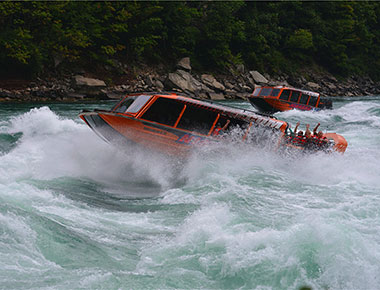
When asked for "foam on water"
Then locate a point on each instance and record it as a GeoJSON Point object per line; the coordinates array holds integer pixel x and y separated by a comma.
{"type": "Point", "coordinates": [51, 147]}
{"type": "Point", "coordinates": [229, 217]}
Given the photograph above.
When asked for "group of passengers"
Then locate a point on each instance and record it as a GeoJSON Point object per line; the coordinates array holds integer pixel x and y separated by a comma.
{"type": "Point", "coordinates": [308, 139]}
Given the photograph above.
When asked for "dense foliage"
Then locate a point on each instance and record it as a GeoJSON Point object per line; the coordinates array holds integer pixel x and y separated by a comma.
{"type": "Point", "coordinates": [342, 37]}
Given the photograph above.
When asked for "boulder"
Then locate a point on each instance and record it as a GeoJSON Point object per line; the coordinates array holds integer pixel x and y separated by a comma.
{"type": "Point", "coordinates": [251, 82]}
{"type": "Point", "coordinates": [202, 95]}
{"type": "Point", "coordinates": [183, 81]}
{"type": "Point", "coordinates": [331, 86]}
{"type": "Point", "coordinates": [114, 95]}
{"type": "Point", "coordinates": [210, 81]}
{"type": "Point", "coordinates": [278, 83]}
{"type": "Point", "coordinates": [149, 81]}
{"type": "Point", "coordinates": [258, 77]}
{"type": "Point", "coordinates": [184, 64]}
{"type": "Point", "coordinates": [241, 96]}
{"type": "Point", "coordinates": [88, 86]}
{"type": "Point", "coordinates": [75, 96]}
{"type": "Point", "coordinates": [6, 94]}
{"type": "Point", "coordinates": [313, 86]}
{"type": "Point", "coordinates": [228, 85]}
{"type": "Point", "coordinates": [240, 68]}
{"type": "Point", "coordinates": [158, 84]}
{"type": "Point", "coordinates": [216, 96]}
{"type": "Point", "coordinates": [246, 88]}
{"type": "Point", "coordinates": [81, 81]}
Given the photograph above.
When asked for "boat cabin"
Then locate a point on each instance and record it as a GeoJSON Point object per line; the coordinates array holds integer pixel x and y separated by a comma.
{"type": "Point", "coordinates": [192, 115]}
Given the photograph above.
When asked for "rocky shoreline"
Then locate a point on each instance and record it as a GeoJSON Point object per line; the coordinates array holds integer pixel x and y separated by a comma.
{"type": "Point", "coordinates": [238, 84]}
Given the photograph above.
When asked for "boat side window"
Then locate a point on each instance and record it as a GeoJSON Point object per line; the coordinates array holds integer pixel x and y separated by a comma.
{"type": "Point", "coordinates": [121, 108]}
{"type": "Point", "coordinates": [138, 104]}
{"type": "Point", "coordinates": [304, 98]}
{"type": "Point", "coordinates": [265, 92]}
{"type": "Point", "coordinates": [294, 96]}
{"type": "Point", "coordinates": [231, 123]}
{"type": "Point", "coordinates": [285, 95]}
{"type": "Point", "coordinates": [223, 122]}
{"type": "Point", "coordinates": [163, 111]}
{"type": "Point", "coordinates": [256, 91]}
{"type": "Point", "coordinates": [275, 92]}
{"type": "Point", "coordinates": [236, 123]}
{"type": "Point", "coordinates": [313, 101]}
{"type": "Point", "coordinates": [237, 128]}
{"type": "Point", "coordinates": [197, 119]}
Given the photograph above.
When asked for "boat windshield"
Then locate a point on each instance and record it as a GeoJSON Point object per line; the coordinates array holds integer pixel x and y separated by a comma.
{"type": "Point", "coordinates": [256, 91]}
{"type": "Point", "coordinates": [132, 104]}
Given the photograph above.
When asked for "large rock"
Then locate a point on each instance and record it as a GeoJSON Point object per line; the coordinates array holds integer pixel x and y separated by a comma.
{"type": "Point", "coordinates": [228, 84]}
{"type": "Point", "coordinates": [313, 86]}
{"type": "Point", "coordinates": [81, 81]}
{"type": "Point", "coordinates": [258, 77]}
{"type": "Point", "coordinates": [210, 81]}
{"type": "Point", "coordinates": [88, 86]}
{"type": "Point", "coordinates": [183, 81]}
{"type": "Point", "coordinates": [240, 68]}
{"type": "Point", "coordinates": [158, 84]}
{"type": "Point", "coordinates": [216, 96]}
{"type": "Point", "coordinates": [184, 64]}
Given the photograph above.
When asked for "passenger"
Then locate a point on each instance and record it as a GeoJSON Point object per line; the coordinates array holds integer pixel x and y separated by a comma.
{"type": "Point", "coordinates": [296, 128]}
{"type": "Point", "coordinates": [321, 138]}
{"type": "Point", "coordinates": [314, 141]}
{"type": "Point", "coordinates": [300, 139]}
{"type": "Point", "coordinates": [218, 129]}
{"type": "Point", "coordinates": [307, 132]}
{"type": "Point", "coordinates": [317, 141]}
{"type": "Point", "coordinates": [226, 125]}
{"type": "Point", "coordinates": [315, 129]}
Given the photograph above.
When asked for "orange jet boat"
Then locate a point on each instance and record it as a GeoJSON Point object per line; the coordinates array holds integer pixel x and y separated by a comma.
{"type": "Point", "coordinates": [275, 99]}
{"type": "Point", "coordinates": [174, 124]}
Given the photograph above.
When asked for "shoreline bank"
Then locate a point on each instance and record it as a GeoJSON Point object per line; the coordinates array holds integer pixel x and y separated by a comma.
{"type": "Point", "coordinates": [238, 84]}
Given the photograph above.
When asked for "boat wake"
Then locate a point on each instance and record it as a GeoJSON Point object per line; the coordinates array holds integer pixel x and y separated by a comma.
{"type": "Point", "coordinates": [49, 147]}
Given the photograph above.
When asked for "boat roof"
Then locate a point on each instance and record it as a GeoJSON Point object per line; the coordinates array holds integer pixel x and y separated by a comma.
{"type": "Point", "coordinates": [228, 111]}
{"type": "Point", "coordinates": [310, 93]}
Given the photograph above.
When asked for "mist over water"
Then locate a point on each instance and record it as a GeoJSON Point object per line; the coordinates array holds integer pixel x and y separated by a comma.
{"type": "Point", "coordinates": [76, 212]}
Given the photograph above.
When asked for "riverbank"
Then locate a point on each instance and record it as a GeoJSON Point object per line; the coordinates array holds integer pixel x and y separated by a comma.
{"type": "Point", "coordinates": [237, 84]}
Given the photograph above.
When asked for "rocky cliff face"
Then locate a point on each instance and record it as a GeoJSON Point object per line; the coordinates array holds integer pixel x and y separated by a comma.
{"type": "Point", "coordinates": [238, 84]}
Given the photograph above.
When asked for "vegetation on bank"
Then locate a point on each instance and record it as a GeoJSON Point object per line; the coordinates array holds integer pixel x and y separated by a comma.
{"type": "Point", "coordinates": [282, 36]}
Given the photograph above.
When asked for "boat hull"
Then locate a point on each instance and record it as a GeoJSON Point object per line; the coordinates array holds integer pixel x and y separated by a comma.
{"type": "Point", "coordinates": [340, 143]}
{"type": "Point", "coordinates": [121, 130]}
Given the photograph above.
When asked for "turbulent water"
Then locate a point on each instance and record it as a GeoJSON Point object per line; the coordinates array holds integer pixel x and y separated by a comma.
{"type": "Point", "coordinates": [76, 212]}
